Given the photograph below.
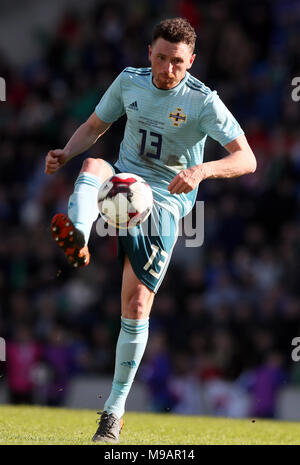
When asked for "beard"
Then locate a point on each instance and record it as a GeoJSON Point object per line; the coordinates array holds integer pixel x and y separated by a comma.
{"type": "Point", "coordinates": [165, 81]}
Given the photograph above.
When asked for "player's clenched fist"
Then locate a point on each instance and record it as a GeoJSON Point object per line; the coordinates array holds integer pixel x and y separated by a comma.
{"type": "Point", "coordinates": [54, 160]}
{"type": "Point", "coordinates": [187, 180]}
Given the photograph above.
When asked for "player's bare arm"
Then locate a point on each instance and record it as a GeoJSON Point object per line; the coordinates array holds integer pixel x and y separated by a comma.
{"type": "Point", "coordinates": [241, 160]}
{"type": "Point", "coordinates": [83, 138]}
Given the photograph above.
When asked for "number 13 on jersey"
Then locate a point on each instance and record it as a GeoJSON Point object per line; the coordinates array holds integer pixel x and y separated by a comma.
{"type": "Point", "coordinates": [155, 141]}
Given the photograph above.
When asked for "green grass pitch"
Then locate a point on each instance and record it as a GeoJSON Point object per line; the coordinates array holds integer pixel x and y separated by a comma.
{"type": "Point", "coordinates": [24, 425]}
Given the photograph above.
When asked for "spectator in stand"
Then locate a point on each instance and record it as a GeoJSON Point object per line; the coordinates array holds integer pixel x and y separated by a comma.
{"type": "Point", "coordinates": [58, 357]}
{"type": "Point", "coordinates": [23, 354]}
{"type": "Point", "coordinates": [156, 372]}
{"type": "Point", "coordinates": [265, 383]}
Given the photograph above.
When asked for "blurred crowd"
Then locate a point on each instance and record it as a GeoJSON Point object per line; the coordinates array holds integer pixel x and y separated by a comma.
{"type": "Point", "coordinates": [227, 311]}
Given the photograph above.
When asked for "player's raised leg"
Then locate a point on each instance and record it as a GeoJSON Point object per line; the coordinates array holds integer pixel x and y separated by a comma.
{"type": "Point", "coordinates": [72, 231]}
{"type": "Point", "coordinates": [137, 301]}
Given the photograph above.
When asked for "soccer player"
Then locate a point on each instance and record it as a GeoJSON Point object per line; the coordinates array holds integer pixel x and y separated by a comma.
{"type": "Point", "coordinates": [169, 115]}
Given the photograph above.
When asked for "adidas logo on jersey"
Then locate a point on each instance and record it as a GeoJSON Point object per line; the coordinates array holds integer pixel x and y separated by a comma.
{"type": "Point", "coordinates": [133, 106]}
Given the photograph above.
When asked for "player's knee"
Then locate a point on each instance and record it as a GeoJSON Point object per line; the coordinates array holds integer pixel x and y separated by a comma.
{"type": "Point", "coordinates": [91, 165]}
{"type": "Point", "coordinates": [136, 307]}
{"type": "Point", "coordinates": [98, 167]}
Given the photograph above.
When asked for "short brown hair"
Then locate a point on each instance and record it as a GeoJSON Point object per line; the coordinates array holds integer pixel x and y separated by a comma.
{"type": "Point", "coordinates": [175, 30]}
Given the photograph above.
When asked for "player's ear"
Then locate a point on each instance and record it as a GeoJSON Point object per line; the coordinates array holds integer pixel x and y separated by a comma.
{"type": "Point", "coordinates": [149, 52]}
{"type": "Point", "coordinates": [191, 60]}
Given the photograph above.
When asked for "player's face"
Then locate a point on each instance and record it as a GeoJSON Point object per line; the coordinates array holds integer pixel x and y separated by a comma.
{"type": "Point", "coordinates": [169, 62]}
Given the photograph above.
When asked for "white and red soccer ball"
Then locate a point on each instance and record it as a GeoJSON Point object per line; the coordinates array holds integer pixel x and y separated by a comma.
{"type": "Point", "coordinates": [125, 200]}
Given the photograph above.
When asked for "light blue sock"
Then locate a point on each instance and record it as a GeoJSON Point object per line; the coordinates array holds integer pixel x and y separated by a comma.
{"type": "Point", "coordinates": [130, 349]}
{"type": "Point", "coordinates": [83, 208]}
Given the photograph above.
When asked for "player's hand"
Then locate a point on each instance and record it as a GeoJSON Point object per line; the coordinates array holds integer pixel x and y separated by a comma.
{"type": "Point", "coordinates": [55, 159]}
{"type": "Point", "coordinates": [187, 180]}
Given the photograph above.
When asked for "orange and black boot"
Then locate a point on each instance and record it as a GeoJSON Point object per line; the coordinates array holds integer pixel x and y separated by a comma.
{"type": "Point", "coordinates": [70, 240]}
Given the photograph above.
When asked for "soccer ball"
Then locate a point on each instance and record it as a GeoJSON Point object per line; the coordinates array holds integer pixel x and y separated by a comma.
{"type": "Point", "coordinates": [125, 200]}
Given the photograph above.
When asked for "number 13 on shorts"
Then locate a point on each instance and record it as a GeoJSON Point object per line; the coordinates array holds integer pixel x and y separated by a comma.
{"type": "Point", "coordinates": [161, 263]}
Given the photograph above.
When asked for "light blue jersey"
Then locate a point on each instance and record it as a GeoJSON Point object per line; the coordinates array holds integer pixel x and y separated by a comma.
{"type": "Point", "coordinates": [165, 130]}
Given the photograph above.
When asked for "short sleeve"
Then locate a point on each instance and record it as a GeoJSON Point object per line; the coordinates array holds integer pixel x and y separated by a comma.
{"type": "Point", "coordinates": [111, 106]}
{"type": "Point", "coordinates": [217, 121]}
